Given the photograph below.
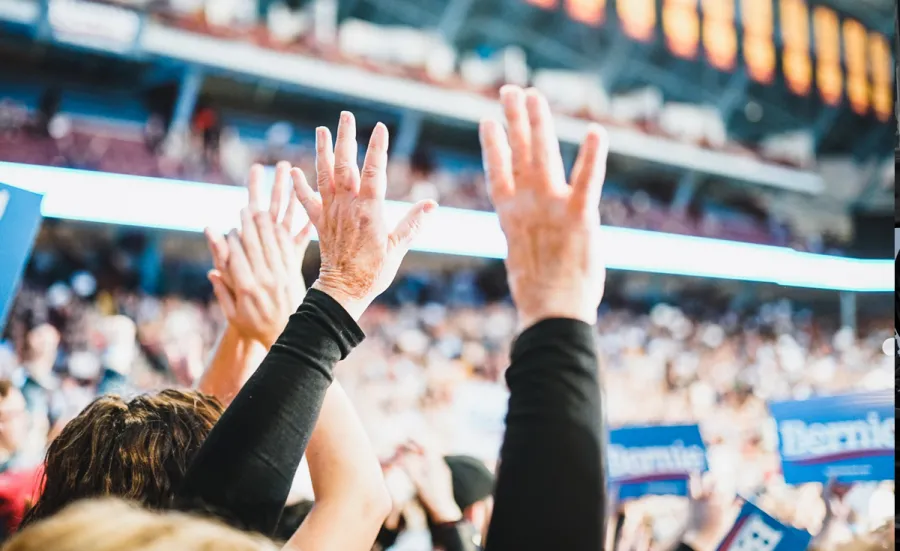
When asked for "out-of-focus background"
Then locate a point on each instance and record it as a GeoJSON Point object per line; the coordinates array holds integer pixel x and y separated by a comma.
{"type": "Point", "coordinates": [753, 123]}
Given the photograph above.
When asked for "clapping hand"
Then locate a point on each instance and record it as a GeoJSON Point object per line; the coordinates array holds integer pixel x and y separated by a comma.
{"type": "Point", "coordinates": [360, 257]}
{"type": "Point", "coordinates": [257, 278]}
{"type": "Point", "coordinates": [554, 264]}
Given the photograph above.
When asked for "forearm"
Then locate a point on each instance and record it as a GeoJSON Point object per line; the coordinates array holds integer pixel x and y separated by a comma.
{"type": "Point", "coordinates": [550, 491]}
{"type": "Point", "coordinates": [347, 481]}
{"type": "Point", "coordinates": [246, 466]}
{"type": "Point", "coordinates": [233, 361]}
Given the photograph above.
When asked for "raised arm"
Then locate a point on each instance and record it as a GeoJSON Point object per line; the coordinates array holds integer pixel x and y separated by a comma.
{"type": "Point", "coordinates": [239, 349]}
{"type": "Point", "coordinates": [359, 260]}
{"type": "Point", "coordinates": [245, 468]}
{"type": "Point", "coordinates": [550, 483]}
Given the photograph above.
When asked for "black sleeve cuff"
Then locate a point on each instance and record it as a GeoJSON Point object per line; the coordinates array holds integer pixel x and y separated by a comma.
{"type": "Point", "coordinates": [555, 332]}
{"type": "Point", "coordinates": [338, 323]}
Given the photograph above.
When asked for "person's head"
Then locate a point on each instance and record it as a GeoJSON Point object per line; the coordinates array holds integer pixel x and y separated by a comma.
{"type": "Point", "coordinates": [115, 525]}
{"type": "Point", "coordinates": [137, 450]}
{"type": "Point", "coordinates": [473, 485]}
{"type": "Point", "coordinates": [13, 418]}
{"type": "Point", "coordinates": [41, 346]}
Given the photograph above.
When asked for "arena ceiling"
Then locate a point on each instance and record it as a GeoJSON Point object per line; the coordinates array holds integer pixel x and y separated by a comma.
{"type": "Point", "coordinates": [552, 40]}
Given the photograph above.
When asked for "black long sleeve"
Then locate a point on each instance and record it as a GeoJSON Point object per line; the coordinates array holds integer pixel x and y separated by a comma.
{"type": "Point", "coordinates": [245, 468]}
{"type": "Point", "coordinates": [453, 536]}
{"type": "Point", "coordinates": [550, 491]}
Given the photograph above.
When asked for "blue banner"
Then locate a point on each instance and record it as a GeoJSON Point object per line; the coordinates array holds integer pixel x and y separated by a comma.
{"type": "Point", "coordinates": [755, 530]}
{"type": "Point", "coordinates": [20, 219]}
{"type": "Point", "coordinates": [654, 460]}
{"type": "Point", "coordinates": [846, 438]}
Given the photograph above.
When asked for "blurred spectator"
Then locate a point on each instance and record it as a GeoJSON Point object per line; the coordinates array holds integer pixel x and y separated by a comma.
{"type": "Point", "coordinates": [14, 425]}
{"type": "Point", "coordinates": [19, 480]}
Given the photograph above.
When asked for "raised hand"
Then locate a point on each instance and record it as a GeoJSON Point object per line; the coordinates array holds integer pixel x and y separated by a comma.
{"type": "Point", "coordinates": [710, 516]}
{"type": "Point", "coordinates": [360, 257]}
{"type": "Point", "coordinates": [257, 277]}
{"type": "Point", "coordinates": [554, 264]}
{"type": "Point", "coordinates": [433, 481]}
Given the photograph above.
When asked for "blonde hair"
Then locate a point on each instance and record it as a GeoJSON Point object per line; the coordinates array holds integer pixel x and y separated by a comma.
{"type": "Point", "coordinates": [116, 525]}
{"type": "Point", "coordinates": [881, 539]}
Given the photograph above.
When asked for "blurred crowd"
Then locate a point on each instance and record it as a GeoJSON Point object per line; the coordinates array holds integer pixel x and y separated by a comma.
{"type": "Point", "coordinates": [211, 150]}
{"type": "Point", "coordinates": [312, 28]}
{"type": "Point", "coordinates": [431, 371]}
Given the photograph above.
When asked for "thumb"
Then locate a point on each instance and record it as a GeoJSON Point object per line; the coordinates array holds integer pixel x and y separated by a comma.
{"type": "Point", "coordinates": [223, 295]}
{"type": "Point", "coordinates": [410, 226]}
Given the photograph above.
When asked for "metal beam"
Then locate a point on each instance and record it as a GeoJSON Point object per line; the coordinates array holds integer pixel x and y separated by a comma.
{"type": "Point", "coordinates": [823, 125]}
{"type": "Point", "coordinates": [188, 92]}
{"type": "Point", "coordinates": [615, 63]}
{"type": "Point", "coordinates": [408, 132]}
{"type": "Point", "coordinates": [848, 310]}
{"type": "Point", "coordinates": [150, 263]}
{"type": "Point", "coordinates": [734, 95]}
{"type": "Point", "coordinates": [453, 19]}
{"type": "Point", "coordinates": [685, 192]}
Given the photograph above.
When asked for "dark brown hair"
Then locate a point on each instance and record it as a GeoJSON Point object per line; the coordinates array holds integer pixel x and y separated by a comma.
{"type": "Point", "coordinates": [5, 387]}
{"type": "Point", "coordinates": [137, 450]}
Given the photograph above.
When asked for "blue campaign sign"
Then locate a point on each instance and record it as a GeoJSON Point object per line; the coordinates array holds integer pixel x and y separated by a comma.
{"type": "Point", "coordinates": [20, 218]}
{"type": "Point", "coordinates": [757, 531]}
{"type": "Point", "coordinates": [847, 438]}
{"type": "Point", "coordinates": [654, 460]}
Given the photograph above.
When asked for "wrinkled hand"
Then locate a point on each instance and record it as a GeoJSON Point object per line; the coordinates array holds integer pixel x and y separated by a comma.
{"type": "Point", "coordinates": [359, 256]}
{"type": "Point", "coordinates": [554, 264]}
{"type": "Point", "coordinates": [257, 277]}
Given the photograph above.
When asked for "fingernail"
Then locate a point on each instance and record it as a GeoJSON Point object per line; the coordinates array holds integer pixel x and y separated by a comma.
{"type": "Point", "coordinates": [346, 116]}
{"type": "Point", "coordinates": [429, 206]}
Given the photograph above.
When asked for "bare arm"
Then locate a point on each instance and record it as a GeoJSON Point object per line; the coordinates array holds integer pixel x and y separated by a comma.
{"type": "Point", "coordinates": [244, 342]}
{"type": "Point", "coordinates": [347, 481]}
{"type": "Point", "coordinates": [235, 358]}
